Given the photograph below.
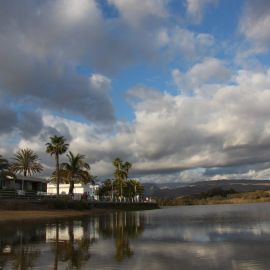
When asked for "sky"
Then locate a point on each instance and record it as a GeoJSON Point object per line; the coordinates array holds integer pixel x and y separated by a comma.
{"type": "Point", "coordinates": [179, 88]}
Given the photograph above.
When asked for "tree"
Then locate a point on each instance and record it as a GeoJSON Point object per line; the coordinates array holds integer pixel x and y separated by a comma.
{"type": "Point", "coordinates": [26, 162]}
{"type": "Point", "coordinates": [57, 147]}
{"type": "Point", "coordinates": [106, 189]}
{"type": "Point", "coordinates": [76, 169]}
{"type": "Point", "coordinates": [133, 188]}
{"type": "Point", "coordinates": [119, 174]}
{"type": "Point", "coordinates": [126, 167]}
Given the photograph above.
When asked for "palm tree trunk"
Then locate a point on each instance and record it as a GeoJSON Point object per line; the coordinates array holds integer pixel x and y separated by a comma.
{"type": "Point", "coordinates": [71, 187]}
{"type": "Point", "coordinates": [121, 190]}
{"type": "Point", "coordinates": [57, 173]}
{"type": "Point", "coordinates": [56, 247]}
{"type": "Point", "coordinates": [25, 174]}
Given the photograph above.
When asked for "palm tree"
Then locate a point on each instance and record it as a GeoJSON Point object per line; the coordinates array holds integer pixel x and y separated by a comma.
{"type": "Point", "coordinates": [57, 147]}
{"type": "Point", "coordinates": [126, 167]}
{"type": "Point", "coordinates": [26, 162]}
{"type": "Point", "coordinates": [119, 174]}
{"type": "Point", "coordinates": [133, 188]}
{"type": "Point", "coordinates": [76, 169]}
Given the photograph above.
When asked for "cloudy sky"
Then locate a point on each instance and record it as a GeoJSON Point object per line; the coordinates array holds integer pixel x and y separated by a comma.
{"type": "Point", "coordinates": [181, 89]}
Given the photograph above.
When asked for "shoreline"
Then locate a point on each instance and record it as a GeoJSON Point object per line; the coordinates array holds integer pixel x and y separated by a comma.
{"type": "Point", "coordinates": [22, 215]}
{"type": "Point", "coordinates": [20, 210]}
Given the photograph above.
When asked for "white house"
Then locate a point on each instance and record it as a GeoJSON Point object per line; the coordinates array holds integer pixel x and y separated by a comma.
{"type": "Point", "coordinates": [79, 190]}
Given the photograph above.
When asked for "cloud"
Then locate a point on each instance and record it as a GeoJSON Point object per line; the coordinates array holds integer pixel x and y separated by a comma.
{"type": "Point", "coordinates": [210, 70]}
{"type": "Point", "coordinates": [195, 9]}
{"type": "Point", "coordinates": [30, 124]}
{"type": "Point", "coordinates": [27, 124]}
{"type": "Point", "coordinates": [255, 23]}
{"type": "Point", "coordinates": [184, 45]}
{"type": "Point", "coordinates": [138, 15]}
{"type": "Point", "coordinates": [44, 43]}
{"type": "Point", "coordinates": [8, 119]}
{"type": "Point", "coordinates": [57, 70]}
{"type": "Point", "coordinates": [41, 46]}
{"type": "Point", "coordinates": [171, 135]}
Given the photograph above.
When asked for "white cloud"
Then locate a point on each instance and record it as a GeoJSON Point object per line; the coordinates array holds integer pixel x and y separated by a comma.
{"type": "Point", "coordinates": [210, 70]}
{"type": "Point", "coordinates": [100, 82]}
{"type": "Point", "coordinates": [171, 133]}
{"type": "Point", "coordinates": [255, 24]}
{"type": "Point", "coordinates": [184, 43]}
{"type": "Point", "coordinates": [43, 44]}
{"type": "Point", "coordinates": [136, 14]}
{"type": "Point", "coordinates": [76, 11]}
{"type": "Point", "coordinates": [195, 8]}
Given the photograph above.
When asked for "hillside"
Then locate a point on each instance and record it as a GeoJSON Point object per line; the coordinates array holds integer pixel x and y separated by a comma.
{"type": "Point", "coordinates": [173, 190]}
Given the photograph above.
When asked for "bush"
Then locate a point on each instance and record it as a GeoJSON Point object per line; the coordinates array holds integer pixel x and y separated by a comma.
{"type": "Point", "coordinates": [216, 192]}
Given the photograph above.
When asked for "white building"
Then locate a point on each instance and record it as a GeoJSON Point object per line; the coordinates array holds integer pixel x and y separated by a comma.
{"type": "Point", "coordinates": [79, 190]}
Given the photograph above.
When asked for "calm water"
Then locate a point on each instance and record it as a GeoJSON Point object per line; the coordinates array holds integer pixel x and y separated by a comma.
{"type": "Point", "coordinates": [192, 237]}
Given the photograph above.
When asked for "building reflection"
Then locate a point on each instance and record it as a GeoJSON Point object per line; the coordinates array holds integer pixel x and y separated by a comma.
{"type": "Point", "coordinates": [66, 244]}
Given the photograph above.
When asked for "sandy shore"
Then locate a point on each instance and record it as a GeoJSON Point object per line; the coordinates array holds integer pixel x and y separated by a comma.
{"type": "Point", "coordinates": [10, 215]}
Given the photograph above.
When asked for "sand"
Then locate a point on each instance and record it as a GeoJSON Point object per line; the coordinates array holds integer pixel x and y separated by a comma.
{"type": "Point", "coordinates": [16, 215]}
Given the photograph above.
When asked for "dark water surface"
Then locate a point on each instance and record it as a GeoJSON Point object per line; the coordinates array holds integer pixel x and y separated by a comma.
{"type": "Point", "coordinates": [191, 237]}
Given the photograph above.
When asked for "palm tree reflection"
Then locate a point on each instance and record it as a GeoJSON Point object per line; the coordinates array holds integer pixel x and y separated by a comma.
{"type": "Point", "coordinates": [25, 257]}
{"type": "Point", "coordinates": [18, 246]}
{"type": "Point", "coordinates": [73, 250]}
{"type": "Point", "coordinates": [122, 226]}
{"type": "Point", "coordinates": [24, 245]}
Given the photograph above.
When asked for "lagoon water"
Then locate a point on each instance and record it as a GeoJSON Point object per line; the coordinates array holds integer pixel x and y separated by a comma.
{"type": "Point", "coordinates": [187, 237]}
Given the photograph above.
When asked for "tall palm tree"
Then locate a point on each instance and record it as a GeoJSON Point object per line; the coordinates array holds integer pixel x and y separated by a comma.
{"type": "Point", "coordinates": [133, 188]}
{"type": "Point", "coordinates": [77, 169]}
{"type": "Point", "coordinates": [118, 174]}
{"type": "Point", "coordinates": [121, 172]}
{"type": "Point", "coordinates": [126, 167]}
{"type": "Point", "coordinates": [57, 147]}
{"type": "Point", "coordinates": [26, 162]}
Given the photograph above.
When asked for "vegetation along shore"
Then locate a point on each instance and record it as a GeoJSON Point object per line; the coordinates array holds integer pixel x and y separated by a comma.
{"type": "Point", "coordinates": [218, 196]}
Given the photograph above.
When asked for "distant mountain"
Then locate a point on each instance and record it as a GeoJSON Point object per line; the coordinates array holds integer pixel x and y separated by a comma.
{"type": "Point", "coordinates": [173, 190]}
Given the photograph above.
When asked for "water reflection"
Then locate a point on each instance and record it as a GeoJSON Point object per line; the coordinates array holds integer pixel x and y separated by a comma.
{"type": "Point", "coordinates": [122, 226]}
{"type": "Point", "coordinates": [17, 245]}
{"type": "Point", "coordinates": [66, 244]}
{"type": "Point", "coordinates": [213, 237]}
